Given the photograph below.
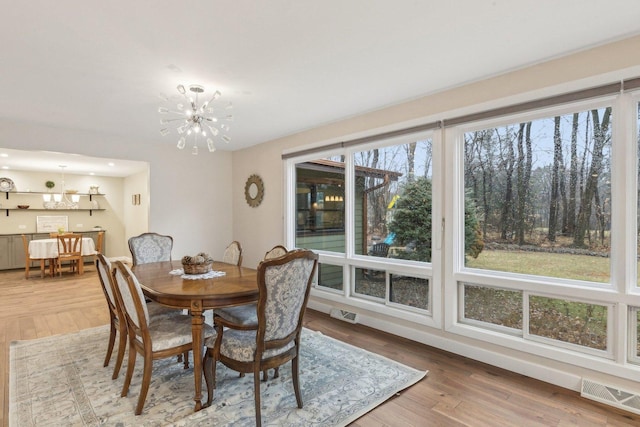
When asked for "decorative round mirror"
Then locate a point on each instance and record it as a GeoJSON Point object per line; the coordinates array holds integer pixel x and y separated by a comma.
{"type": "Point", "coordinates": [254, 191]}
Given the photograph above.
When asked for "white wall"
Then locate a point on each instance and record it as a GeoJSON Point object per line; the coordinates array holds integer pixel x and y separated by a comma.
{"type": "Point", "coordinates": [136, 217]}
{"type": "Point", "coordinates": [262, 227]}
{"type": "Point", "coordinates": [189, 196]}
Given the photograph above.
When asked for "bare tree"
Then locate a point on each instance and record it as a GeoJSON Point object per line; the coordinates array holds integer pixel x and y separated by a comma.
{"type": "Point", "coordinates": [600, 138]}
{"type": "Point", "coordinates": [523, 178]}
{"type": "Point", "coordinates": [555, 180]}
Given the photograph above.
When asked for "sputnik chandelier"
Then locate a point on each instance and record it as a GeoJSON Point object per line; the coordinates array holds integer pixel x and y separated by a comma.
{"type": "Point", "coordinates": [205, 121]}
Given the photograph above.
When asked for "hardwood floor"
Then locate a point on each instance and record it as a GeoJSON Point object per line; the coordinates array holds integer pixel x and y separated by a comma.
{"type": "Point", "coordinates": [457, 391]}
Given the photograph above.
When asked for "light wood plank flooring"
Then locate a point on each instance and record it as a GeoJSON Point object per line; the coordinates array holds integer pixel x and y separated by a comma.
{"type": "Point", "coordinates": [457, 392]}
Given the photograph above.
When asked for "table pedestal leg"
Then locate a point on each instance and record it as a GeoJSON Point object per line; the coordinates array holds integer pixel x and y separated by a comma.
{"type": "Point", "coordinates": [197, 320]}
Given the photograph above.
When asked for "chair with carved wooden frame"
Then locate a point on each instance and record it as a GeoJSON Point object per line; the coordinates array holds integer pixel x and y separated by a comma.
{"type": "Point", "coordinates": [28, 259]}
{"type": "Point", "coordinates": [150, 247]}
{"type": "Point", "coordinates": [118, 323]}
{"type": "Point", "coordinates": [246, 316]}
{"type": "Point", "coordinates": [118, 326]}
{"type": "Point", "coordinates": [284, 284]}
{"type": "Point", "coordinates": [233, 254]}
{"type": "Point", "coordinates": [154, 338]}
{"type": "Point", "coordinates": [70, 249]}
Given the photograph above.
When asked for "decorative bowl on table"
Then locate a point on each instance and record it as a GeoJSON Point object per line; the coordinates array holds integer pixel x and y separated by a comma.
{"type": "Point", "coordinates": [23, 206]}
{"type": "Point", "coordinates": [199, 264]}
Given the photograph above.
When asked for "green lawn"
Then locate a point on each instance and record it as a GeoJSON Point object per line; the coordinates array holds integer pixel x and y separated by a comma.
{"type": "Point", "coordinates": [568, 266]}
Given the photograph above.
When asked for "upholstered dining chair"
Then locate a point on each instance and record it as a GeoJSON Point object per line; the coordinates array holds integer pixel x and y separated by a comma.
{"type": "Point", "coordinates": [275, 252]}
{"type": "Point", "coordinates": [28, 260]}
{"type": "Point", "coordinates": [117, 322]}
{"type": "Point", "coordinates": [150, 247]}
{"type": "Point", "coordinates": [245, 316]}
{"type": "Point", "coordinates": [70, 250]}
{"type": "Point", "coordinates": [152, 337]}
{"type": "Point", "coordinates": [283, 284]}
{"type": "Point", "coordinates": [233, 254]}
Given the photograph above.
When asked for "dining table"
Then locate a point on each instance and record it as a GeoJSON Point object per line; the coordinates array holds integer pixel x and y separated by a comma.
{"type": "Point", "coordinates": [48, 249]}
{"type": "Point", "coordinates": [231, 286]}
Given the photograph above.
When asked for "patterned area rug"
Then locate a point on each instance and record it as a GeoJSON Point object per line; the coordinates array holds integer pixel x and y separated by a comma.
{"type": "Point", "coordinates": [60, 381]}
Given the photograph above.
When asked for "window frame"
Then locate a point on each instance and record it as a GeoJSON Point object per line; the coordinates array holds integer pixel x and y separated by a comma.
{"type": "Point", "coordinates": [350, 260]}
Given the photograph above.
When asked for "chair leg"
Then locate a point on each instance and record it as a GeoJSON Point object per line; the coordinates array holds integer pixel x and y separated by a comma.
{"type": "Point", "coordinates": [256, 392]}
{"type": "Point", "coordinates": [130, 366]}
{"type": "Point", "coordinates": [146, 380]}
{"type": "Point", "coordinates": [296, 382]}
{"type": "Point", "coordinates": [26, 268]}
{"type": "Point", "coordinates": [208, 367]}
{"type": "Point", "coordinates": [186, 359]}
{"type": "Point", "coordinates": [112, 340]}
{"type": "Point", "coordinates": [42, 268]}
{"type": "Point", "coordinates": [122, 345]}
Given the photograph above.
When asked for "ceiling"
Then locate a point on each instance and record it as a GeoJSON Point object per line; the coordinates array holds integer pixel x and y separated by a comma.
{"type": "Point", "coordinates": [287, 65]}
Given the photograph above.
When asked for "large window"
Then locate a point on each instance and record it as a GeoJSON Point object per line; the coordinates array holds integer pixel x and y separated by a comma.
{"type": "Point", "coordinates": [373, 208]}
{"type": "Point", "coordinates": [393, 201]}
{"type": "Point", "coordinates": [541, 190]}
{"type": "Point", "coordinates": [520, 230]}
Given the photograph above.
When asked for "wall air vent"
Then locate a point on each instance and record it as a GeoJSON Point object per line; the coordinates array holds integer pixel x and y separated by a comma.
{"type": "Point", "coordinates": [345, 315]}
{"type": "Point", "coordinates": [609, 395]}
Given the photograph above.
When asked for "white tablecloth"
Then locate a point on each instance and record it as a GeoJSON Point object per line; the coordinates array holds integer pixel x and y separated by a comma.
{"type": "Point", "coordinates": [48, 248]}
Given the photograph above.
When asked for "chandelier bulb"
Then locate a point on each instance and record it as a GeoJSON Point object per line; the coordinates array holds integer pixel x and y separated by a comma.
{"type": "Point", "coordinates": [226, 139]}
{"type": "Point", "coordinates": [180, 107]}
{"type": "Point", "coordinates": [181, 89]}
{"type": "Point", "coordinates": [163, 110]}
{"type": "Point", "coordinates": [194, 150]}
{"type": "Point", "coordinates": [164, 131]}
{"type": "Point", "coordinates": [181, 142]}
{"type": "Point", "coordinates": [210, 145]}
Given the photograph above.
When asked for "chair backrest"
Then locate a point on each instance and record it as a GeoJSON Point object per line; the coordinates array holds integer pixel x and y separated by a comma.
{"type": "Point", "coordinates": [25, 243]}
{"type": "Point", "coordinates": [69, 245]}
{"type": "Point", "coordinates": [150, 247]}
{"type": "Point", "coordinates": [99, 242]}
{"type": "Point", "coordinates": [105, 274]}
{"type": "Point", "coordinates": [284, 284]}
{"type": "Point", "coordinates": [275, 252]}
{"type": "Point", "coordinates": [133, 303]}
{"type": "Point", "coordinates": [233, 254]}
{"type": "Point", "coordinates": [380, 249]}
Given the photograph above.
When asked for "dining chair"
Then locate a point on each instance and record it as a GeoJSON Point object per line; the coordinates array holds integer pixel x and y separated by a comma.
{"type": "Point", "coordinates": [246, 316]}
{"type": "Point", "coordinates": [233, 254]}
{"type": "Point", "coordinates": [283, 285]}
{"type": "Point", "coordinates": [99, 244]}
{"type": "Point", "coordinates": [70, 249]}
{"type": "Point", "coordinates": [153, 337]}
{"type": "Point", "coordinates": [150, 247]}
{"type": "Point", "coordinates": [117, 322]}
{"type": "Point", "coordinates": [118, 326]}
{"type": "Point", "coordinates": [275, 252]}
{"type": "Point", "coordinates": [28, 259]}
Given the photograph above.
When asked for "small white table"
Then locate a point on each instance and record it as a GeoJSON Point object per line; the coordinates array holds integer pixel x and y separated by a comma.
{"type": "Point", "coordinates": [48, 248]}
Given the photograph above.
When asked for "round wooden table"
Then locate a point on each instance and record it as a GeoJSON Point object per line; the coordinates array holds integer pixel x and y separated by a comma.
{"type": "Point", "coordinates": [237, 287]}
